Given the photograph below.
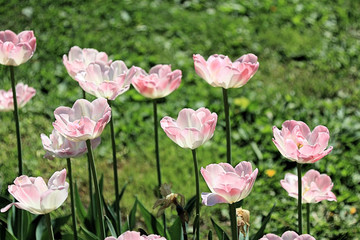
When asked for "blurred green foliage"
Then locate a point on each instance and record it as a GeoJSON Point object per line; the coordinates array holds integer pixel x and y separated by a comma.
{"type": "Point", "coordinates": [309, 54]}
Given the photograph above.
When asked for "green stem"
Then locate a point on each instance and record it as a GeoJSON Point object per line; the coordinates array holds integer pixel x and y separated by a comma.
{"type": "Point", "coordinates": [97, 191]}
{"type": "Point", "coordinates": [197, 194]}
{"type": "Point", "coordinates": [156, 139]}
{"type": "Point", "coordinates": [232, 210]}
{"type": "Point", "coordinates": [18, 140]}
{"type": "Point", "coordinates": [117, 200]}
{"type": "Point", "coordinates": [308, 217]}
{"type": "Point", "coordinates": [228, 127]}
{"type": "Point", "coordinates": [299, 198]}
{"type": "Point", "coordinates": [49, 226]}
{"type": "Point", "coordinates": [73, 213]}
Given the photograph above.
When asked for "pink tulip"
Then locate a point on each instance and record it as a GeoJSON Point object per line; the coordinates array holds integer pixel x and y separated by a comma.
{"type": "Point", "coordinates": [228, 184]}
{"type": "Point", "coordinates": [160, 81]}
{"type": "Point", "coordinates": [79, 59]}
{"type": "Point", "coordinates": [289, 235]}
{"type": "Point", "coordinates": [60, 147]}
{"type": "Point", "coordinates": [297, 143]}
{"type": "Point", "coordinates": [35, 196]}
{"type": "Point", "coordinates": [315, 187]}
{"type": "Point", "coordinates": [219, 71]}
{"type": "Point", "coordinates": [192, 128]}
{"type": "Point", "coordinates": [106, 81]}
{"type": "Point", "coordinates": [23, 94]}
{"type": "Point", "coordinates": [16, 49]}
{"type": "Point", "coordinates": [132, 235]}
{"type": "Point", "coordinates": [85, 120]}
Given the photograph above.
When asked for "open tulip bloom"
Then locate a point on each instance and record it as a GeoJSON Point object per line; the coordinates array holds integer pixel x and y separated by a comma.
{"type": "Point", "coordinates": [102, 80]}
{"type": "Point", "coordinates": [58, 146]}
{"type": "Point", "coordinates": [23, 94]}
{"type": "Point", "coordinates": [289, 235]}
{"type": "Point", "coordinates": [220, 71]}
{"type": "Point", "coordinates": [315, 187]}
{"type": "Point", "coordinates": [16, 49]}
{"type": "Point", "coordinates": [228, 184]}
{"type": "Point", "coordinates": [35, 196]}
{"type": "Point", "coordinates": [160, 81]}
{"type": "Point", "coordinates": [79, 59]}
{"type": "Point", "coordinates": [132, 235]}
{"type": "Point", "coordinates": [85, 120]}
{"type": "Point", "coordinates": [297, 143]}
{"type": "Point", "coordinates": [192, 128]}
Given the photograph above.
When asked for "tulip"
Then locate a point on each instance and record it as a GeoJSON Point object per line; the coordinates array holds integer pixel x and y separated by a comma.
{"type": "Point", "coordinates": [85, 120]}
{"type": "Point", "coordinates": [35, 196]}
{"type": "Point", "coordinates": [79, 59]}
{"type": "Point", "coordinates": [289, 235]}
{"type": "Point", "coordinates": [160, 81]}
{"type": "Point", "coordinates": [228, 184]}
{"type": "Point", "coordinates": [220, 71]}
{"type": "Point", "coordinates": [58, 146]}
{"type": "Point", "coordinates": [132, 235]}
{"type": "Point", "coordinates": [23, 94]}
{"type": "Point", "coordinates": [297, 143]}
{"type": "Point", "coordinates": [16, 49]}
{"type": "Point", "coordinates": [315, 187]}
{"type": "Point", "coordinates": [106, 81]}
{"type": "Point", "coordinates": [192, 128]}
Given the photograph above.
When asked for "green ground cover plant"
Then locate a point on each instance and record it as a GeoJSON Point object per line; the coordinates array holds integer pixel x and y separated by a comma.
{"type": "Point", "coordinates": [309, 71]}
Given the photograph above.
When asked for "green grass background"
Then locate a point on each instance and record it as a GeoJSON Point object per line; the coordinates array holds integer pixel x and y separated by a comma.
{"type": "Point", "coordinates": [309, 71]}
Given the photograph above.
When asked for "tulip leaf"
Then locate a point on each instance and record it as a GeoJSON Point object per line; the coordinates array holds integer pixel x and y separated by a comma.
{"type": "Point", "coordinates": [111, 227]}
{"type": "Point", "coordinates": [131, 219]}
{"type": "Point", "coordinates": [121, 194]}
{"type": "Point", "coordinates": [175, 231]}
{"type": "Point", "coordinates": [89, 235]}
{"type": "Point", "coordinates": [109, 212]}
{"type": "Point", "coordinates": [210, 235]}
{"type": "Point", "coordinates": [70, 237]}
{"type": "Point", "coordinates": [80, 209]}
{"type": "Point", "coordinates": [196, 223]}
{"type": "Point", "coordinates": [219, 232]}
{"type": "Point", "coordinates": [5, 234]}
{"type": "Point", "coordinates": [260, 233]}
{"type": "Point", "coordinates": [152, 224]}
{"type": "Point", "coordinates": [59, 222]}
{"type": "Point", "coordinates": [31, 234]}
{"type": "Point", "coordinates": [190, 205]}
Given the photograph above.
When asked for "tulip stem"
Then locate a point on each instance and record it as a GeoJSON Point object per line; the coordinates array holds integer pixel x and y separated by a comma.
{"type": "Point", "coordinates": [97, 190]}
{"type": "Point", "coordinates": [299, 198]}
{"type": "Point", "coordinates": [18, 140]}
{"type": "Point", "coordinates": [117, 200]}
{"type": "Point", "coordinates": [73, 213]}
{"type": "Point", "coordinates": [232, 210]}
{"type": "Point", "coordinates": [197, 203]}
{"type": "Point", "coordinates": [308, 217]}
{"type": "Point", "coordinates": [49, 226]}
{"type": "Point", "coordinates": [228, 127]}
{"type": "Point", "coordinates": [158, 157]}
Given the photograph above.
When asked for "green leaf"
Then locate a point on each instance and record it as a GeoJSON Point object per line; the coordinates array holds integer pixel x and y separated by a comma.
{"type": "Point", "coordinates": [260, 233]}
{"type": "Point", "coordinates": [31, 234]}
{"type": "Point", "coordinates": [152, 224]}
{"type": "Point", "coordinates": [5, 234]}
{"type": "Point", "coordinates": [131, 220]}
{"type": "Point", "coordinates": [57, 223]}
{"type": "Point", "coordinates": [175, 231]}
{"type": "Point", "coordinates": [121, 194]}
{"type": "Point", "coordinates": [89, 235]}
{"type": "Point", "coordinates": [196, 222]}
{"type": "Point", "coordinates": [111, 227]}
{"type": "Point", "coordinates": [109, 212]}
{"type": "Point", "coordinates": [80, 209]}
{"type": "Point", "coordinates": [190, 205]}
{"type": "Point", "coordinates": [219, 232]}
{"type": "Point", "coordinates": [210, 235]}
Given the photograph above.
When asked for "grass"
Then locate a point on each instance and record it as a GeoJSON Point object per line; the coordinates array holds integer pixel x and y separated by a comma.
{"type": "Point", "coordinates": [309, 70]}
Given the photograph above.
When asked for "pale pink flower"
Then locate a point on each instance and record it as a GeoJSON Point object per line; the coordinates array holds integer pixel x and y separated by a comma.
{"type": "Point", "coordinates": [289, 235]}
{"type": "Point", "coordinates": [297, 143]}
{"type": "Point", "coordinates": [192, 128]}
{"type": "Point", "coordinates": [58, 146]}
{"type": "Point", "coordinates": [16, 49]}
{"type": "Point", "coordinates": [23, 94]}
{"type": "Point", "coordinates": [106, 81]}
{"type": "Point", "coordinates": [132, 235]}
{"type": "Point", "coordinates": [315, 187]}
{"type": "Point", "coordinates": [85, 120]}
{"type": "Point", "coordinates": [35, 196]}
{"type": "Point", "coordinates": [160, 81]}
{"type": "Point", "coordinates": [228, 184]}
{"type": "Point", "coordinates": [79, 59]}
{"type": "Point", "coordinates": [219, 71]}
